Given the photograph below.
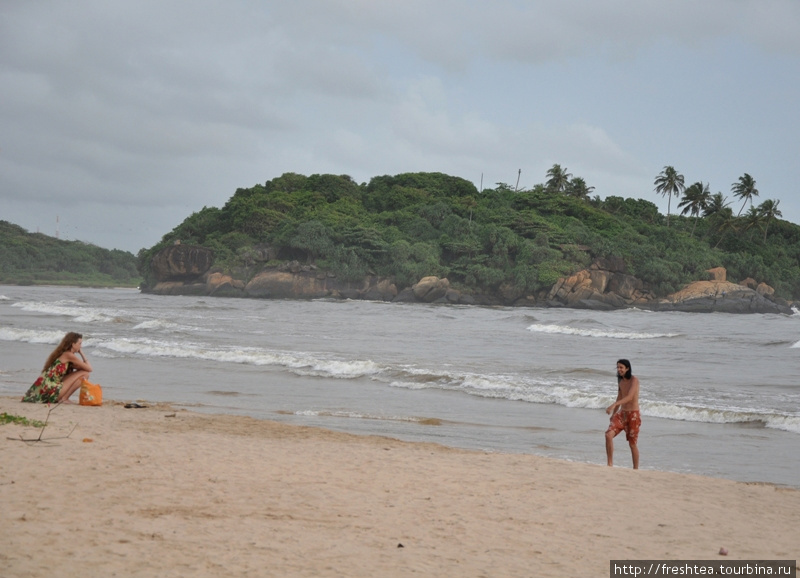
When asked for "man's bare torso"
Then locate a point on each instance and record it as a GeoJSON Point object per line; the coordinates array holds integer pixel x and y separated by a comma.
{"type": "Point", "coordinates": [626, 387]}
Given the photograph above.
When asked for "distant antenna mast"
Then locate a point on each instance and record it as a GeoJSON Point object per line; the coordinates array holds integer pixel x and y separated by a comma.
{"type": "Point", "coordinates": [481, 183]}
{"type": "Point", "coordinates": [56, 226]}
{"type": "Point", "coordinates": [517, 185]}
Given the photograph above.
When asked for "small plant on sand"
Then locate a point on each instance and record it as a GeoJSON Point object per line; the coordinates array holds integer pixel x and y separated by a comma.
{"type": "Point", "coordinates": [6, 418]}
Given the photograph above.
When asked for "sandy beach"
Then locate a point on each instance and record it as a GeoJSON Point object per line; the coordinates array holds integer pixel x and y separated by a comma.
{"type": "Point", "coordinates": [156, 491]}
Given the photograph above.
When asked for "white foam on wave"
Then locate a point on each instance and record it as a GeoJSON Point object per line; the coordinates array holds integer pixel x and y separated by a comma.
{"type": "Point", "coordinates": [567, 330]}
{"type": "Point", "coordinates": [70, 309]}
{"type": "Point", "coordinates": [338, 368]}
{"type": "Point", "coordinates": [569, 393]}
{"type": "Point", "coordinates": [786, 422]}
{"type": "Point", "coordinates": [585, 394]}
{"type": "Point", "coordinates": [163, 325]}
{"type": "Point", "coordinates": [298, 363]}
{"type": "Point", "coordinates": [156, 324]}
{"type": "Point", "coordinates": [30, 335]}
{"type": "Point", "coordinates": [4, 298]}
{"type": "Point", "coordinates": [360, 415]}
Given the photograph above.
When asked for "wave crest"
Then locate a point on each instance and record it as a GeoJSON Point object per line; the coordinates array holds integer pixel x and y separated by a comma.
{"type": "Point", "coordinates": [606, 333]}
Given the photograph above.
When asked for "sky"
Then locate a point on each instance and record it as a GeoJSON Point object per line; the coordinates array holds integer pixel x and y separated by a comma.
{"type": "Point", "coordinates": [119, 119]}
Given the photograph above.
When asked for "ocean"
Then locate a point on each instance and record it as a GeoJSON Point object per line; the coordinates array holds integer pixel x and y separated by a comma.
{"type": "Point", "coordinates": [720, 393]}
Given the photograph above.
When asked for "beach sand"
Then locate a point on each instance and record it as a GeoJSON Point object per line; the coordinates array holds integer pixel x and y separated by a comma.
{"type": "Point", "coordinates": [165, 492]}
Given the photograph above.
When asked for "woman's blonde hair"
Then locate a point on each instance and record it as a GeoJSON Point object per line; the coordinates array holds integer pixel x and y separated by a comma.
{"type": "Point", "coordinates": [66, 343]}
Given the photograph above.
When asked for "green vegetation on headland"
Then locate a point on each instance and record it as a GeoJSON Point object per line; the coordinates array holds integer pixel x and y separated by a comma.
{"type": "Point", "coordinates": [412, 225]}
{"type": "Point", "coordinates": [37, 259]}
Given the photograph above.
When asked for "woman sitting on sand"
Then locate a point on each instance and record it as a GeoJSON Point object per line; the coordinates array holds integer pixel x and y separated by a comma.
{"type": "Point", "coordinates": [62, 373]}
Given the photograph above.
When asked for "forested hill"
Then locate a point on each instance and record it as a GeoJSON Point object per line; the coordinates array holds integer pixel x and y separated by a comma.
{"type": "Point", "coordinates": [37, 259]}
{"type": "Point", "coordinates": [412, 225]}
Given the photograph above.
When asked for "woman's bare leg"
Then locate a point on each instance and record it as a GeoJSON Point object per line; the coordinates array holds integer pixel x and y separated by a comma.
{"type": "Point", "coordinates": [71, 384]}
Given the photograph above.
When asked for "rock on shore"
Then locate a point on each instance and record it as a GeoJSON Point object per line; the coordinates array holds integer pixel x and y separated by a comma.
{"type": "Point", "coordinates": [187, 270]}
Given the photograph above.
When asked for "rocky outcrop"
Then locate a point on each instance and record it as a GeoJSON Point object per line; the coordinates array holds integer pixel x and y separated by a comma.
{"type": "Point", "coordinates": [722, 296]}
{"type": "Point", "coordinates": [286, 285]}
{"type": "Point", "coordinates": [749, 282]}
{"type": "Point", "coordinates": [221, 285]}
{"type": "Point", "coordinates": [186, 270]}
{"type": "Point", "coordinates": [717, 274]}
{"type": "Point", "coordinates": [430, 289]}
{"type": "Point", "coordinates": [306, 282]}
{"type": "Point", "coordinates": [185, 263]}
{"type": "Point", "coordinates": [605, 285]}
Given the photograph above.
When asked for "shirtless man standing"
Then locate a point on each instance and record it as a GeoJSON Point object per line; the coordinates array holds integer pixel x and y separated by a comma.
{"type": "Point", "coordinates": [628, 417]}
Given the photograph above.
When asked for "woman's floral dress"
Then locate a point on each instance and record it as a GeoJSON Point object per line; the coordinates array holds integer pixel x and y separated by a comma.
{"type": "Point", "coordinates": [48, 386]}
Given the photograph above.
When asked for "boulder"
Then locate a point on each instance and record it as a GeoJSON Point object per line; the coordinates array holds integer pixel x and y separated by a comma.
{"type": "Point", "coordinates": [527, 301]}
{"type": "Point", "coordinates": [765, 290]}
{"type": "Point", "coordinates": [429, 289]}
{"type": "Point", "coordinates": [382, 290]}
{"type": "Point", "coordinates": [749, 282]}
{"type": "Point", "coordinates": [181, 263]}
{"type": "Point", "coordinates": [221, 285]}
{"type": "Point", "coordinates": [452, 296]}
{"type": "Point", "coordinates": [626, 286]}
{"type": "Point", "coordinates": [717, 274]}
{"type": "Point", "coordinates": [604, 285]}
{"type": "Point", "coordinates": [465, 299]}
{"type": "Point", "coordinates": [719, 296]}
{"type": "Point", "coordinates": [593, 304]}
{"type": "Point", "coordinates": [510, 293]}
{"type": "Point", "coordinates": [599, 279]}
{"type": "Point", "coordinates": [405, 296]}
{"type": "Point", "coordinates": [276, 284]}
{"type": "Point", "coordinates": [613, 264]}
{"type": "Point", "coordinates": [179, 288]}
{"type": "Point", "coordinates": [567, 285]}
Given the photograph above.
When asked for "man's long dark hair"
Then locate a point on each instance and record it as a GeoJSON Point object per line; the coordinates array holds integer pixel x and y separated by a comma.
{"type": "Point", "coordinates": [628, 373]}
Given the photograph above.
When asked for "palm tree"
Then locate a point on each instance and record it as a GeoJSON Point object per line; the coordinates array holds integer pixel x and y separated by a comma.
{"type": "Point", "coordinates": [754, 218]}
{"type": "Point", "coordinates": [669, 183]}
{"type": "Point", "coordinates": [559, 178]}
{"type": "Point", "coordinates": [577, 188]}
{"type": "Point", "coordinates": [695, 199]}
{"type": "Point", "coordinates": [745, 189]}
{"type": "Point", "coordinates": [769, 210]}
{"type": "Point", "coordinates": [715, 205]}
{"type": "Point", "coordinates": [725, 222]}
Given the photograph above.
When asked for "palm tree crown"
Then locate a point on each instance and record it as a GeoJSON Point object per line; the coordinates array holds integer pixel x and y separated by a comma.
{"type": "Point", "coordinates": [558, 178]}
{"type": "Point", "coordinates": [577, 187]}
{"type": "Point", "coordinates": [695, 200]}
{"type": "Point", "coordinates": [744, 188]}
{"type": "Point", "coordinates": [669, 182]}
{"type": "Point", "coordinates": [769, 210]}
{"type": "Point", "coordinates": [715, 205]}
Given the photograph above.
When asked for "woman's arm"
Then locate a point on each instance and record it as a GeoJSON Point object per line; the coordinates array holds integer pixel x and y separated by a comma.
{"type": "Point", "coordinates": [78, 360]}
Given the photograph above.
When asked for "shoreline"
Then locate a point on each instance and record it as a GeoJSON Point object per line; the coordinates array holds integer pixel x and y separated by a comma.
{"type": "Point", "coordinates": [165, 491]}
{"type": "Point", "coordinates": [654, 306]}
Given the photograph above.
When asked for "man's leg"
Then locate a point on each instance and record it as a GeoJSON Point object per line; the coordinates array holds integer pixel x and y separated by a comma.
{"type": "Point", "coordinates": [634, 454]}
{"type": "Point", "coordinates": [610, 446]}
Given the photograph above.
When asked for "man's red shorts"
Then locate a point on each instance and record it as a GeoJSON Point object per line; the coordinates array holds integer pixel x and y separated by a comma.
{"type": "Point", "coordinates": [630, 421]}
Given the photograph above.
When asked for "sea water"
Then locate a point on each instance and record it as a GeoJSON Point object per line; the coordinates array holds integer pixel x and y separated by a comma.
{"type": "Point", "coordinates": [720, 393]}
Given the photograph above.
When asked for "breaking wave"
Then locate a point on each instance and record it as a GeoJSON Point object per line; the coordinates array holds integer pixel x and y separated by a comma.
{"type": "Point", "coordinates": [567, 330]}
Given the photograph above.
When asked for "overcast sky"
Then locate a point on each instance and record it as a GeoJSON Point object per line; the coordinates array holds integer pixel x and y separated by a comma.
{"type": "Point", "coordinates": [121, 118]}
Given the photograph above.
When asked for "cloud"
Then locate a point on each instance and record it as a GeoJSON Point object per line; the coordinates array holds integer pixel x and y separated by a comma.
{"type": "Point", "coordinates": [127, 116]}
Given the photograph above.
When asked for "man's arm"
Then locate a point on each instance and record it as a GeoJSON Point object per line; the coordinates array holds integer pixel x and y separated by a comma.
{"type": "Point", "coordinates": [612, 409]}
